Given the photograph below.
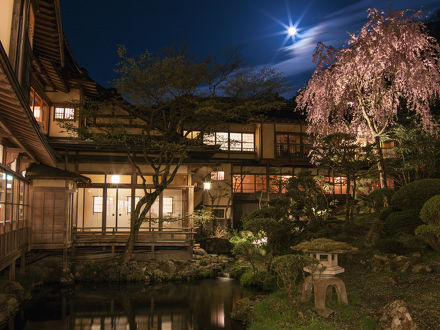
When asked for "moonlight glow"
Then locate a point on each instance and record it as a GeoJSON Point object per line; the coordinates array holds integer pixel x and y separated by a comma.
{"type": "Point", "coordinates": [291, 31]}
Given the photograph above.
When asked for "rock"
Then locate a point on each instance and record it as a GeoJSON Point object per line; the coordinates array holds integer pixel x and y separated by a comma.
{"type": "Point", "coordinates": [218, 246]}
{"type": "Point", "coordinates": [421, 268]}
{"type": "Point", "coordinates": [168, 267]}
{"type": "Point", "coordinates": [200, 252]}
{"type": "Point", "coordinates": [8, 307]}
{"type": "Point", "coordinates": [400, 258]}
{"type": "Point", "coordinates": [12, 288]}
{"type": "Point", "coordinates": [67, 279]}
{"type": "Point", "coordinates": [396, 317]}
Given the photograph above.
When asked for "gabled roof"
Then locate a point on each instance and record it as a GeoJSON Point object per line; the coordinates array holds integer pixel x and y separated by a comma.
{"type": "Point", "coordinates": [16, 120]}
{"type": "Point", "coordinates": [53, 62]}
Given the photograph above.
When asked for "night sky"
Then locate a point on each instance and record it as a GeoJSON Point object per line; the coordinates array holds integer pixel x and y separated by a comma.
{"type": "Point", "coordinates": [94, 29]}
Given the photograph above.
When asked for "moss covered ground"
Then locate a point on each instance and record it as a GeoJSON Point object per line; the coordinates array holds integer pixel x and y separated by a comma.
{"type": "Point", "coordinates": [368, 292]}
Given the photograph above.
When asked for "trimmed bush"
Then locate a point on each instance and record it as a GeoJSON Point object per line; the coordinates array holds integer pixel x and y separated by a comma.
{"type": "Point", "coordinates": [411, 243]}
{"type": "Point", "coordinates": [431, 234]}
{"type": "Point", "coordinates": [430, 212]}
{"type": "Point", "coordinates": [390, 245]}
{"type": "Point", "coordinates": [376, 199]}
{"type": "Point", "coordinates": [402, 222]}
{"type": "Point", "coordinates": [386, 212]}
{"type": "Point", "coordinates": [415, 194]}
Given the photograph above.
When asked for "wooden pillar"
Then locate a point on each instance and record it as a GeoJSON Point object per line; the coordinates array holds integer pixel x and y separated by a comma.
{"type": "Point", "coordinates": [12, 271]}
{"type": "Point", "coordinates": [23, 263]}
{"type": "Point", "coordinates": [65, 258]}
{"type": "Point", "coordinates": [104, 210]}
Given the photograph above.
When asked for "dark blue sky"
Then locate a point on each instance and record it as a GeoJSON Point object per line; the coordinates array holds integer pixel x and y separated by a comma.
{"type": "Point", "coordinates": [94, 28]}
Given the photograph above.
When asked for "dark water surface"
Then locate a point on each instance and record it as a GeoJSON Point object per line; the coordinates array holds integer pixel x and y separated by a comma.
{"type": "Point", "coordinates": [201, 305]}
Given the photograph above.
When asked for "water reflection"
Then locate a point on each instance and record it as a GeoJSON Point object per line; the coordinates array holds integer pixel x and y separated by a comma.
{"type": "Point", "coordinates": [202, 305]}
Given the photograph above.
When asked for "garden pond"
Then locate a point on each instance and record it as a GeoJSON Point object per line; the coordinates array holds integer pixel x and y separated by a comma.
{"type": "Point", "coordinates": [204, 304]}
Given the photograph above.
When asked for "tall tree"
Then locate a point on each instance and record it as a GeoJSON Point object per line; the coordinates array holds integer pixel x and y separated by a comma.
{"type": "Point", "coordinates": [342, 153]}
{"type": "Point", "coordinates": [359, 89]}
{"type": "Point", "coordinates": [174, 99]}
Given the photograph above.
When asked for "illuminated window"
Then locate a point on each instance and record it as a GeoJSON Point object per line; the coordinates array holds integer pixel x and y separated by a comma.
{"type": "Point", "coordinates": [388, 148]}
{"type": "Point", "coordinates": [231, 141]}
{"type": "Point", "coordinates": [217, 175]}
{"type": "Point", "coordinates": [248, 183]}
{"type": "Point", "coordinates": [191, 134]}
{"type": "Point", "coordinates": [288, 145]}
{"type": "Point", "coordinates": [338, 185]}
{"type": "Point", "coordinates": [167, 205]}
{"type": "Point", "coordinates": [128, 206]}
{"type": "Point", "coordinates": [63, 113]}
{"type": "Point", "coordinates": [37, 105]}
{"type": "Point", "coordinates": [278, 183]}
{"type": "Point", "coordinates": [97, 204]}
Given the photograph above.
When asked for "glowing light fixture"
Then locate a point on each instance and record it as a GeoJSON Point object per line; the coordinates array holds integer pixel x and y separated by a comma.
{"type": "Point", "coordinates": [115, 179]}
{"type": "Point", "coordinates": [206, 185]}
{"type": "Point", "coordinates": [291, 31]}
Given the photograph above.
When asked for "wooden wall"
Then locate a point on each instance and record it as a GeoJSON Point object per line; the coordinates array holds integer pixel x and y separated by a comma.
{"type": "Point", "coordinates": [52, 214]}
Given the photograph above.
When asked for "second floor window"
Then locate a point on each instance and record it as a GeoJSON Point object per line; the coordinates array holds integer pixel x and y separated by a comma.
{"type": "Point", "coordinates": [38, 105]}
{"type": "Point", "coordinates": [288, 145]}
{"type": "Point", "coordinates": [231, 141]}
{"type": "Point", "coordinates": [64, 113]}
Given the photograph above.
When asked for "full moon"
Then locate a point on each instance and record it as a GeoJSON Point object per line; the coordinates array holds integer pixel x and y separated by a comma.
{"type": "Point", "coordinates": [291, 31]}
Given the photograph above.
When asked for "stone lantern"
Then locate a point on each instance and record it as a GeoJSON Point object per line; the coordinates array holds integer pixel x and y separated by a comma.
{"type": "Point", "coordinates": [323, 275]}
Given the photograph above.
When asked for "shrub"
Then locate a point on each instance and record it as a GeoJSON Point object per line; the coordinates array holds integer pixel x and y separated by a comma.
{"type": "Point", "coordinates": [237, 270]}
{"type": "Point", "coordinates": [376, 199]}
{"type": "Point", "coordinates": [289, 268]}
{"type": "Point", "coordinates": [415, 194]}
{"type": "Point", "coordinates": [411, 243]}
{"type": "Point", "coordinates": [431, 234]}
{"type": "Point", "coordinates": [430, 212]}
{"type": "Point", "coordinates": [402, 222]}
{"type": "Point", "coordinates": [260, 280]}
{"type": "Point", "coordinates": [390, 245]}
{"type": "Point", "coordinates": [250, 252]}
{"type": "Point", "coordinates": [386, 212]}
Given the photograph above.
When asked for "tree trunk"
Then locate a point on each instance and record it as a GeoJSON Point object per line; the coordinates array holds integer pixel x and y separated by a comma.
{"type": "Point", "coordinates": [136, 222]}
{"type": "Point", "coordinates": [381, 164]}
{"type": "Point", "coordinates": [348, 202]}
{"type": "Point", "coordinates": [353, 197]}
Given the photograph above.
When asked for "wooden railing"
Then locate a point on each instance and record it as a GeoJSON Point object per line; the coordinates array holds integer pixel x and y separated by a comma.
{"type": "Point", "coordinates": [11, 245]}
{"type": "Point", "coordinates": [96, 236]}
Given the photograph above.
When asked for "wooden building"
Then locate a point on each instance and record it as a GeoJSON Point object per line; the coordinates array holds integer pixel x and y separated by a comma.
{"type": "Point", "coordinates": [57, 191]}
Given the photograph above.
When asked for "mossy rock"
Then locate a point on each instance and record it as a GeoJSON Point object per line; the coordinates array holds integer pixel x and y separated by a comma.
{"type": "Point", "coordinates": [323, 245]}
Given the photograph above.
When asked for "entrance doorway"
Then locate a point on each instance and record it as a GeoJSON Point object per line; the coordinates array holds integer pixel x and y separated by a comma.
{"type": "Point", "coordinates": [118, 209]}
